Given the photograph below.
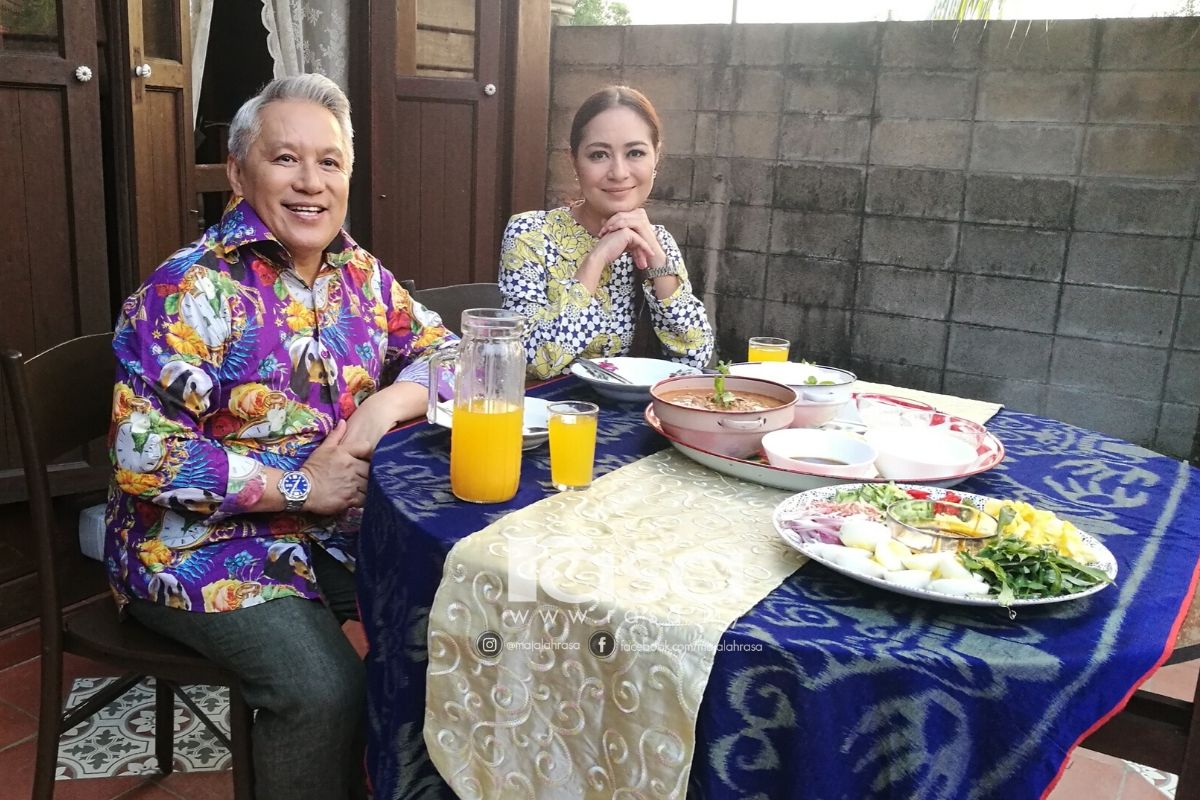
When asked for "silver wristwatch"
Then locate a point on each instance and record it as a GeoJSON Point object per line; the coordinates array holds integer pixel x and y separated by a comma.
{"type": "Point", "coordinates": [294, 486]}
{"type": "Point", "coordinates": [660, 272]}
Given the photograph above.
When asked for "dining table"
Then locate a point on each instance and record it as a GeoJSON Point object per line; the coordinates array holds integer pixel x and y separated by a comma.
{"type": "Point", "coordinates": [827, 687]}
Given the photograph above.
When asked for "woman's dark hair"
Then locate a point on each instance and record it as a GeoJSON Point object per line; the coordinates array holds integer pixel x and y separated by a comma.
{"type": "Point", "coordinates": [614, 97]}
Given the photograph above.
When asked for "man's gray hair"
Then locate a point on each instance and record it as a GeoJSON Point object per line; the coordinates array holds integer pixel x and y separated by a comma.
{"type": "Point", "coordinates": [311, 87]}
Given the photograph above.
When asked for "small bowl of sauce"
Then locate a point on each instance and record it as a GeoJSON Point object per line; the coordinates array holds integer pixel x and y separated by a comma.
{"type": "Point", "coordinates": [819, 452]}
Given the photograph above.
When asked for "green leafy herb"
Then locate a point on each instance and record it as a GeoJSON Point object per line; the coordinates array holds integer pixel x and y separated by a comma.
{"type": "Point", "coordinates": [721, 397]}
{"type": "Point", "coordinates": [811, 380]}
{"type": "Point", "coordinates": [1018, 570]}
{"type": "Point", "coordinates": [880, 495]}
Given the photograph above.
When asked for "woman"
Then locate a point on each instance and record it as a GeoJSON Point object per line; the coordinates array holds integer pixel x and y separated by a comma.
{"type": "Point", "coordinates": [250, 394]}
{"type": "Point", "coordinates": [579, 274]}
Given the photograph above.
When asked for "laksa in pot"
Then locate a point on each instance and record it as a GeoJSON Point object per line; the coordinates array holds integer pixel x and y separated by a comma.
{"type": "Point", "coordinates": [721, 414]}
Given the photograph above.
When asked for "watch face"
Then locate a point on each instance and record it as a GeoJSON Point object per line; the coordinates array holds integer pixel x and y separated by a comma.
{"type": "Point", "coordinates": [294, 485]}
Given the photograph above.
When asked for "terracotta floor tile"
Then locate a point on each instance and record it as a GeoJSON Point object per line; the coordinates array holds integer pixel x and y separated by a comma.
{"type": "Point", "coordinates": [18, 647]}
{"type": "Point", "coordinates": [201, 785]}
{"type": "Point", "coordinates": [15, 725]}
{"type": "Point", "coordinates": [16, 765]}
{"type": "Point", "coordinates": [19, 685]}
{"type": "Point", "coordinates": [1176, 680]}
{"type": "Point", "coordinates": [97, 788]}
{"type": "Point", "coordinates": [148, 789]}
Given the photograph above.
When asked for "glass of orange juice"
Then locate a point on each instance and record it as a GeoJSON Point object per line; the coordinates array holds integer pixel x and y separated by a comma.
{"type": "Point", "coordinates": [768, 348]}
{"type": "Point", "coordinates": [572, 444]}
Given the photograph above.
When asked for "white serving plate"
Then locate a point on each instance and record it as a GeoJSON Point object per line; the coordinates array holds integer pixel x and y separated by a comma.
{"type": "Point", "coordinates": [991, 454]}
{"type": "Point", "coordinates": [792, 506]}
{"type": "Point", "coordinates": [643, 372]}
{"type": "Point", "coordinates": [535, 421]}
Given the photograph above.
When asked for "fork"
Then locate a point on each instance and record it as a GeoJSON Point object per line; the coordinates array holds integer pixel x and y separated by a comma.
{"type": "Point", "coordinates": [598, 371]}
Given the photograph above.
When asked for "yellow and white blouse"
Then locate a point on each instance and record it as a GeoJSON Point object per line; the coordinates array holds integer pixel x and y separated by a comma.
{"type": "Point", "coordinates": [539, 256]}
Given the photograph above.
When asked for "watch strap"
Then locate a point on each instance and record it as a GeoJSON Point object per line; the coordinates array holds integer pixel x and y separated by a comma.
{"type": "Point", "coordinates": [660, 272]}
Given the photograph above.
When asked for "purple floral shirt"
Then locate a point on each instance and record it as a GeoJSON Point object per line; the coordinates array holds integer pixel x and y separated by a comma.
{"type": "Point", "coordinates": [228, 362]}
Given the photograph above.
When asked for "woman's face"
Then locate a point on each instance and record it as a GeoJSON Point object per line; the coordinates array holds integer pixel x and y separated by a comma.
{"type": "Point", "coordinates": [296, 177]}
{"type": "Point", "coordinates": [615, 162]}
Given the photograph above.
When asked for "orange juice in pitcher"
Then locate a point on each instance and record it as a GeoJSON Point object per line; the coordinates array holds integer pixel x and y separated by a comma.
{"type": "Point", "coordinates": [485, 451]}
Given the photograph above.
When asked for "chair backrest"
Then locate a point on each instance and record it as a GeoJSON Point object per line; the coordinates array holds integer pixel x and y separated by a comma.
{"type": "Point", "coordinates": [450, 301]}
{"type": "Point", "coordinates": [61, 400]}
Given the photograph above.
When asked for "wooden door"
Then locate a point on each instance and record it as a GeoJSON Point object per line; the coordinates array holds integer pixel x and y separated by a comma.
{"type": "Point", "coordinates": [161, 197]}
{"type": "Point", "coordinates": [53, 261]}
{"type": "Point", "coordinates": [435, 138]}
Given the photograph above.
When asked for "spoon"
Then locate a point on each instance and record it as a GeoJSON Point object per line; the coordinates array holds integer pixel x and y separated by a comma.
{"type": "Point", "coordinates": [598, 371]}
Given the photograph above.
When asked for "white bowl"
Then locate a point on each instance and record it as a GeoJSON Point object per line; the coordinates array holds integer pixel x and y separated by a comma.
{"type": "Point", "coordinates": [917, 454]}
{"type": "Point", "coordinates": [799, 449]}
{"type": "Point", "coordinates": [821, 392]}
{"type": "Point", "coordinates": [643, 372]}
{"type": "Point", "coordinates": [535, 422]}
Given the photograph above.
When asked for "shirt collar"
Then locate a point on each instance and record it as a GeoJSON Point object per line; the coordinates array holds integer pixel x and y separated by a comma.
{"type": "Point", "coordinates": [241, 226]}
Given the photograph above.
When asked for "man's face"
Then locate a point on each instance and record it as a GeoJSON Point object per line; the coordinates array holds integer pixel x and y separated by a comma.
{"type": "Point", "coordinates": [296, 177]}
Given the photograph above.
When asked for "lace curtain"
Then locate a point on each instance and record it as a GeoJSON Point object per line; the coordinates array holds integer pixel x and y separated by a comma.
{"type": "Point", "coordinates": [309, 36]}
{"type": "Point", "coordinates": [201, 17]}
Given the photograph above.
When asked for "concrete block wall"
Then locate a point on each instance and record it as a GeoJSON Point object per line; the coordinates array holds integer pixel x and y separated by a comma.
{"type": "Point", "coordinates": [1006, 212]}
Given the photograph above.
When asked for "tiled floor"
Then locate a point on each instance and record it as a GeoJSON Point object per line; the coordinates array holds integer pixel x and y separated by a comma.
{"type": "Point", "coordinates": [1089, 776]}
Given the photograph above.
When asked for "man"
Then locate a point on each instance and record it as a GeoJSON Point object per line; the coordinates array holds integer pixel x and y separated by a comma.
{"type": "Point", "coordinates": [248, 400]}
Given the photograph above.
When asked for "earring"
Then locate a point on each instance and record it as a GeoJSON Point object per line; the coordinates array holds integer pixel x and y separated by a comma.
{"type": "Point", "coordinates": [653, 174]}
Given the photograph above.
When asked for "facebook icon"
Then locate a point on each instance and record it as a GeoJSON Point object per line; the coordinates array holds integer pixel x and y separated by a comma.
{"type": "Point", "coordinates": [602, 644]}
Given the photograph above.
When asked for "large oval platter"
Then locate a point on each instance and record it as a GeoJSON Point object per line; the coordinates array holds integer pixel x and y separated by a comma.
{"type": "Point", "coordinates": [991, 454]}
{"type": "Point", "coordinates": [795, 505]}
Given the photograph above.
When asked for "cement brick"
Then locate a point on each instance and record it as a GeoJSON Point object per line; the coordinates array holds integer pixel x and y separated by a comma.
{"type": "Point", "coordinates": [910, 292]}
{"type": "Point", "coordinates": [588, 45]}
{"type": "Point", "coordinates": [815, 234]}
{"type": "Point", "coordinates": [920, 143]}
{"type": "Point", "coordinates": [748, 228]}
{"type": "Point", "coordinates": [560, 180]}
{"type": "Point", "coordinates": [674, 180]}
{"type": "Point", "coordinates": [935, 194]}
{"type": "Point", "coordinates": [759, 44]}
{"type": "Point", "coordinates": [742, 89]}
{"type": "Point", "coordinates": [740, 318]}
{"type": "Point", "coordinates": [820, 335]}
{"type": "Point", "coordinates": [1153, 97]}
{"type": "Point", "coordinates": [1142, 152]}
{"type": "Point", "coordinates": [809, 187]}
{"type": "Point", "coordinates": [654, 45]}
{"type": "Point", "coordinates": [1006, 302]}
{"type": "Point", "coordinates": [853, 45]}
{"type": "Point", "coordinates": [570, 87]}
{"type": "Point", "coordinates": [1132, 262]}
{"type": "Point", "coordinates": [1110, 367]}
{"type": "Point", "coordinates": [1122, 417]}
{"type": "Point", "coordinates": [741, 274]}
{"type": "Point", "coordinates": [1117, 315]}
{"type": "Point", "coordinates": [909, 242]}
{"type": "Point", "coordinates": [1033, 96]}
{"type": "Point", "coordinates": [677, 130]}
{"type": "Point", "coordinates": [1183, 379]}
{"type": "Point", "coordinates": [932, 45]}
{"type": "Point", "coordinates": [695, 260]}
{"type": "Point", "coordinates": [814, 90]}
{"type": "Point", "coordinates": [830, 139]}
{"type": "Point", "coordinates": [1018, 395]}
{"type": "Point", "coordinates": [1150, 208]}
{"type": "Point", "coordinates": [748, 135]}
{"type": "Point", "coordinates": [1040, 202]}
{"type": "Point", "coordinates": [1017, 252]}
{"type": "Point", "coordinates": [1188, 335]}
{"type": "Point", "coordinates": [1058, 45]}
{"type": "Point", "coordinates": [716, 43]}
{"type": "Point", "coordinates": [1192, 284]}
{"type": "Point", "coordinates": [560, 128]}
{"type": "Point", "coordinates": [750, 181]}
{"type": "Point", "coordinates": [705, 142]}
{"type": "Point", "coordinates": [1149, 44]}
{"type": "Point", "coordinates": [1176, 434]}
{"type": "Point", "coordinates": [925, 95]}
{"type": "Point", "coordinates": [675, 218]}
{"type": "Point", "coordinates": [910, 376]}
{"type": "Point", "coordinates": [809, 282]}
{"type": "Point", "coordinates": [676, 89]}
{"type": "Point", "coordinates": [898, 340]}
{"type": "Point", "coordinates": [1025, 147]}
{"type": "Point", "coordinates": [999, 353]}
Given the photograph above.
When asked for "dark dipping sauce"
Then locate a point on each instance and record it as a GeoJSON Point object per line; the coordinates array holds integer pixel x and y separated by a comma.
{"type": "Point", "coordinates": [703, 398]}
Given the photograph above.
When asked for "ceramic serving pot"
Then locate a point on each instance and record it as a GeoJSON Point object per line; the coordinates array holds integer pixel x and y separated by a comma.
{"type": "Point", "coordinates": [729, 433]}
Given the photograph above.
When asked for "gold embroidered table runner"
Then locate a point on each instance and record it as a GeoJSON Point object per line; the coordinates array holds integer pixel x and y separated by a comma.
{"type": "Point", "coordinates": [570, 642]}
{"type": "Point", "coordinates": [974, 410]}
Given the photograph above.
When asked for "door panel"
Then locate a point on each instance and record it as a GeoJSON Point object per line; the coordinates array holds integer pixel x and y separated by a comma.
{"type": "Point", "coordinates": [436, 141]}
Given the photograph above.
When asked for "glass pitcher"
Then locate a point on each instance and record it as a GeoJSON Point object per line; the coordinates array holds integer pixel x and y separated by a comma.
{"type": "Point", "coordinates": [488, 405]}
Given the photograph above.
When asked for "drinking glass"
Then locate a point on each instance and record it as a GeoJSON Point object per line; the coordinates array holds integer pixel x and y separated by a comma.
{"type": "Point", "coordinates": [572, 444]}
{"type": "Point", "coordinates": [767, 348]}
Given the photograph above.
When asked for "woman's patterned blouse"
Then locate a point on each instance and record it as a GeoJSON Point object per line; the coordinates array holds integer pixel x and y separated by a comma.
{"type": "Point", "coordinates": [226, 362]}
{"type": "Point", "coordinates": [538, 259]}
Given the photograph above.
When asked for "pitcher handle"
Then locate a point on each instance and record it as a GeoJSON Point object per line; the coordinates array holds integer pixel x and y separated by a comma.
{"type": "Point", "coordinates": [435, 370]}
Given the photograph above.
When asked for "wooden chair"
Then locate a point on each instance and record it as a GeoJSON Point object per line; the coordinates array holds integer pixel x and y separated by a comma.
{"type": "Point", "coordinates": [450, 301]}
{"type": "Point", "coordinates": [62, 400]}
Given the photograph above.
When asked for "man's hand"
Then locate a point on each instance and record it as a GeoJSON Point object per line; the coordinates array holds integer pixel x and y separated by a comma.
{"type": "Point", "coordinates": [339, 479]}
